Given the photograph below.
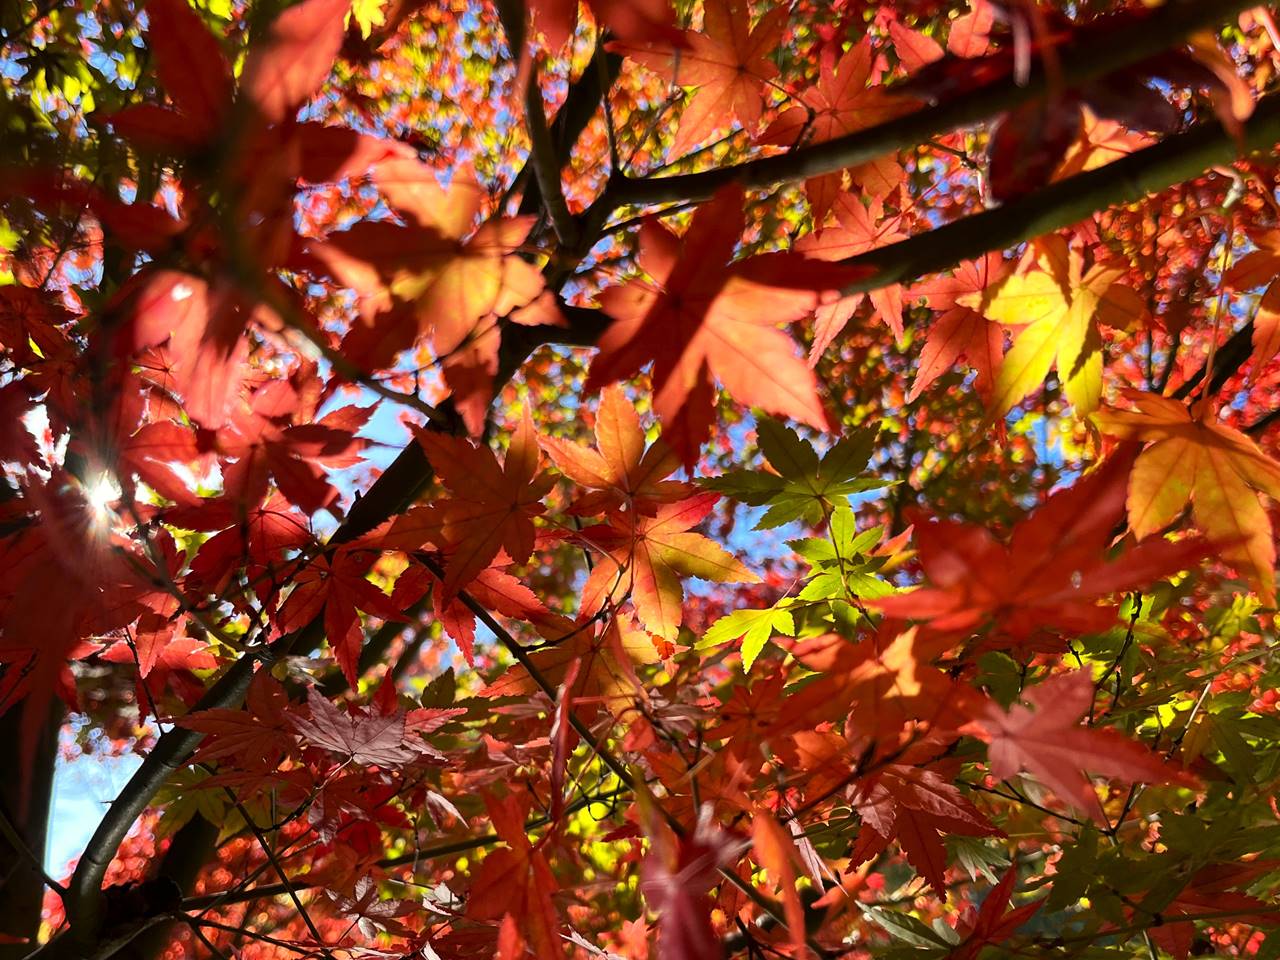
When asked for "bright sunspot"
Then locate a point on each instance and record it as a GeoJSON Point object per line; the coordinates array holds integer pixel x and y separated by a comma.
{"type": "Point", "coordinates": [102, 493]}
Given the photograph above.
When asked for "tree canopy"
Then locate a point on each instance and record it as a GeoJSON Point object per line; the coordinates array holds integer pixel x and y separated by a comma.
{"type": "Point", "coordinates": [633, 479]}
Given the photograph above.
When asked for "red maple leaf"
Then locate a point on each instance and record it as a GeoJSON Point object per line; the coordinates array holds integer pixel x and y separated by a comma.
{"type": "Point", "coordinates": [917, 808]}
{"type": "Point", "coordinates": [1212, 889]}
{"type": "Point", "coordinates": [994, 922]}
{"type": "Point", "coordinates": [697, 317]}
{"type": "Point", "coordinates": [858, 228]}
{"type": "Point", "coordinates": [516, 883]}
{"type": "Point", "coordinates": [361, 736]}
{"type": "Point", "coordinates": [641, 21]}
{"type": "Point", "coordinates": [272, 437]}
{"type": "Point", "coordinates": [490, 508]}
{"type": "Point", "coordinates": [260, 734]}
{"type": "Point", "coordinates": [336, 585]}
{"type": "Point", "coordinates": [1051, 573]}
{"type": "Point", "coordinates": [1046, 739]}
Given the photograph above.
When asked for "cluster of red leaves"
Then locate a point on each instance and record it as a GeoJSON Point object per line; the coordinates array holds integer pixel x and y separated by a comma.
{"type": "Point", "coordinates": [267, 254]}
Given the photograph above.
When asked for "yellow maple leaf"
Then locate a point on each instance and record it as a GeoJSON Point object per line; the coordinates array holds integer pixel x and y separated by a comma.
{"type": "Point", "coordinates": [1058, 305]}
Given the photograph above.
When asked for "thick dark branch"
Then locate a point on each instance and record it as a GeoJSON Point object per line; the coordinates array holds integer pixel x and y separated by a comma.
{"type": "Point", "coordinates": [1174, 160]}
{"type": "Point", "coordinates": [1065, 203]}
{"type": "Point", "coordinates": [1095, 53]}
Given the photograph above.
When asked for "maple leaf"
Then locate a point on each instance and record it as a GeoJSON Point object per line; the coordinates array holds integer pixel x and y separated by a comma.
{"type": "Point", "coordinates": [497, 591]}
{"type": "Point", "coordinates": [1044, 737]}
{"type": "Point", "coordinates": [1051, 572]}
{"type": "Point", "coordinates": [881, 686]}
{"type": "Point", "coordinates": [696, 318]}
{"type": "Point", "coordinates": [844, 100]}
{"type": "Point", "coordinates": [202, 324]}
{"type": "Point", "coordinates": [774, 850]}
{"type": "Point", "coordinates": [1194, 459]}
{"type": "Point", "coordinates": [917, 808]}
{"type": "Point", "coordinates": [956, 330]}
{"type": "Point", "coordinates": [440, 275]}
{"type": "Point", "coordinates": [801, 486]}
{"type": "Point", "coordinates": [855, 231]}
{"type": "Point", "coordinates": [639, 21]}
{"type": "Point", "coordinates": [337, 585]}
{"type": "Point", "coordinates": [491, 506]}
{"type": "Point", "coordinates": [190, 64]}
{"type": "Point", "coordinates": [258, 538]}
{"type": "Point", "coordinates": [294, 59]}
{"type": "Point", "coordinates": [259, 734]}
{"type": "Point", "coordinates": [272, 436]}
{"type": "Point", "coordinates": [676, 879]}
{"type": "Point", "coordinates": [516, 882]}
{"type": "Point", "coordinates": [913, 48]}
{"type": "Point", "coordinates": [1059, 306]}
{"type": "Point", "coordinates": [645, 557]}
{"type": "Point", "coordinates": [360, 737]}
{"type": "Point", "coordinates": [1258, 267]}
{"type": "Point", "coordinates": [993, 923]}
{"type": "Point", "coordinates": [1212, 888]}
{"type": "Point", "coordinates": [752, 627]}
{"type": "Point", "coordinates": [728, 62]}
{"type": "Point", "coordinates": [371, 913]}
{"type": "Point", "coordinates": [620, 471]}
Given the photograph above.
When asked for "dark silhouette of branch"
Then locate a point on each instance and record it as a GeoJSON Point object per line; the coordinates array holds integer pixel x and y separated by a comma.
{"type": "Point", "coordinates": [1093, 54]}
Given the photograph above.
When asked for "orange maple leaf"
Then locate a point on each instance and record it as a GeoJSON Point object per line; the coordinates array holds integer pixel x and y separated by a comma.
{"type": "Point", "coordinates": [858, 228]}
{"type": "Point", "coordinates": [843, 101]}
{"type": "Point", "coordinates": [490, 508]}
{"type": "Point", "coordinates": [647, 556]}
{"type": "Point", "coordinates": [728, 62]}
{"type": "Point", "coordinates": [620, 471]}
{"type": "Point", "coordinates": [515, 884]}
{"type": "Point", "coordinates": [440, 276]}
{"type": "Point", "coordinates": [1214, 467]}
{"type": "Point", "coordinates": [959, 331]}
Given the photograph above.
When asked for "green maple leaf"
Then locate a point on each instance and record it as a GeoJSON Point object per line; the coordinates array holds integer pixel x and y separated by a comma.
{"type": "Point", "coordinates": [805, 486]}
{"type": "Point", "coordinates": [755, 627]}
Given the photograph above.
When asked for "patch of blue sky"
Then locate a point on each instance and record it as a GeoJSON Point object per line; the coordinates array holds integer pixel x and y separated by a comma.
{"type": "Point", "coordinates": [83, 787]}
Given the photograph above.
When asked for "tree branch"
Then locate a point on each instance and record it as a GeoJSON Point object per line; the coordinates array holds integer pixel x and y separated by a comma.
{"type": "Point", "coordinates": [1095, 52]}
{"type": "Point", "coordinates": [1175, 159]}
{"type": "Point", "coordinates": [436, 852]}
{"type": "Point", "coordinates": [542, 152]}
{"type": "Point", "coordinates": [1053, 207]}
